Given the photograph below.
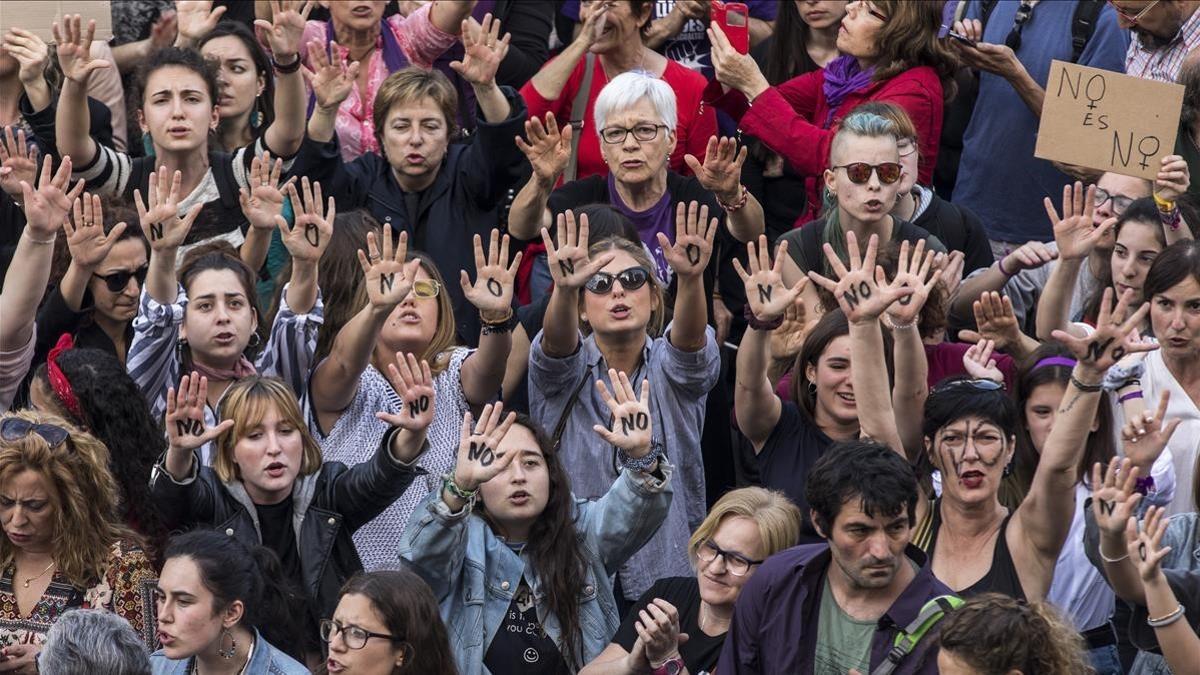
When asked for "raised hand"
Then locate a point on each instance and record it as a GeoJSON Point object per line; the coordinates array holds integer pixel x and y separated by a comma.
{"type": "Point", "coordinates": [693, 246]}
{"type": "Point", "coordinates": [85, 238]}
{"type": "Point", "coordinates": [413, 382]}
{"type": "Point", "coordinates": [1173, 178]}
{"type": "Point", "coordinates": [286, 27]}
{"type": "Point", "coordinates": [721, 172]}
{"type": "Point", "coordinates": [1074, 233]}
{"type": "Point", "coordinates": [1145, 436]}
{"type": "Point", "coordinates": [74, 45]}
{"type": "Point", "coordinates": [765, 291]}
{"type": "Point", "coordinates": [547, 150]}
{"type": "Point", "coordinates": [388, 277]}
{"type": "Point", "coordinates": [492, 291]}
{"type": "Point", "coordinates": [979, 364]}
{"type": "Point", "coordinates": [593, 24]}
{"type": "Point", "coordinates": [658, 628]}
{"type": "Point", "coordinates": [788, 339]}
{"type": "Point", "coordinates": [196, 18]}
{"type": "Point", "coordinates": [949, 268]}
{"type": "Point", "coordinates": [861, 291]}
{"type": "Point", "coordinates": [631, 426]}
{"type": "Point", "coordinates": [46, 208]}
{"type": "Point", "coordinates": [18, 161]}
{"type": "Point", "coordinates": [1113, 497]}
{"type": "Point", "coordinates": [1114, 337]}
{"type": "Point", "coordinates": [483, 50]}
{"type": "Point", "coordinates": [331, 81]}
{"type": "Point", "coordinates": [186, 428]}
{"type": "Point", "coordinates": [263, 202]}
{"type": "Point", "coordinates": [31, 53]}
{"type": "Point", "coordinates": [164, 30]}
{"type": "Point", "coordinates": [1145, 548]}
{"type": "Point", "coordinates": [1028, 256]}
{"type": "Point", "coordinates": [995, 321]}
{"type": "Point", "coordinates": [310, 235]}
{"type": "Point", "coordinates": [912, 272]}
{"type": "Point", "coordinates": [570, 264]}
{"type": "Point", "coordinates": [478, 457]}
{"type": "Point", "coordinates": [159, 217]}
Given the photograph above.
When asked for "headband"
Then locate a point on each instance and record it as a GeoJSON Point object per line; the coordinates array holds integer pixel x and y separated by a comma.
{"type": "Point", "coordinates": [1064, 361]}
{"type": "Point", "coordinates": [59, 382]}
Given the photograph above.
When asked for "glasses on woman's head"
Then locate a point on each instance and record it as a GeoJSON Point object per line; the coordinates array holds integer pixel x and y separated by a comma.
{"type": "Point", "coordinates": [737, 564]}
{"type": "Point", "coordinates": [353, 636]}
{"type": "Point", "coordinates": [641, 132]}
{"type": "Point", "coordinates": [860, 172]}
{"type": "Point", "coordinates": [14, 429]}
{"type": "Point", "coordinates": [1119, 202]}
{"type": "Point", "coordinates": [118, 281]}
{"type": "Point", "coordinates": [1133, 18]}
{"type": "Point", "coordinates": [631, 279]}
{"type": "Point", "coordinates": [426, 288]}
{"type": "Point", "coordinates": [976, 385]}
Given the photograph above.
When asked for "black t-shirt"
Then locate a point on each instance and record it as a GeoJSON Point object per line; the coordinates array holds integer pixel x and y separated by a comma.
{"type": "Point", "coordinates": [275, 521]}
{"type": "Point", "coordinates": [788, 455]}
{"type": "Point", "coordinates": [520, 645]}
{"type": "Point", "coordinates": [701, 652]}
{"type": "Point", "coordinates": [960, 230]}
{"type": "Point", "coordinates": [804, 243]}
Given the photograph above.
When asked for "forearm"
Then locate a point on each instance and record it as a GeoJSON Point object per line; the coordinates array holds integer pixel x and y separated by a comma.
{"type": "Point", "coordinates": [760, 30]}
{"type": "Point", "coordinates": [552, 78]}
{"type": "Point", "coordinates": [691, 315]}
{"type": "Point", "coordinates": [560, 326]}
{"type": "Point", "coordinates": [74, 285]}
{"type": "Point", "coordinates": [527, 215]}
{"type": "Point", "coordinates": [1179, 643]}
{"type": "Point", "coordinates": [665, 28]}
{"type": "Point", "coordinates": [1122, 575]}
{"type": "Point", "coordinates": [24, 285]}
{"type": "Point", "coordinates": [1028, 89]}
{"type": "Point", "coordinates": [871, 391]}
{"type": "Point", "coordinates": [286, 132]}
{"type": "Point", "coordinates": [302, 287]}
{"type": "Point", "coordinates": [161, 283]}
{"type": "Point", "coordinates": [336, 380]}
{"type": "Point", "coordinates": [483, 373]}
{"type": "Point", "coordinates": [1055, 302]}
{"type": "Point", "coordinates": [179, 462]}
{"type": "Point", "coordinates": [911, 387]}
{"type": "Point", "coordinates": [322, 124]}
{"type": "Point", "coordinates": [255, 247]}
{"type": "Point", "coordinates": [753, 393]}
{"type": "Point", "coordinates": [748, 222]}
{"type": "Point", "coordinates": [971, 289]}
{"type": "Point", "coordinates": [38, 92]}
{"type": "Point", "coordinates": [73, 124]}
{"type": "Point", "coordinates": [126, 57]}
{"type": "Point", "coordinates": [448, 16]}
{"type": "Point", "coordinates": [1183, 232]}
{"type": "Point", "coordinates": [492, 103]}
{"type": "Point", "coordinates": [406, 445]}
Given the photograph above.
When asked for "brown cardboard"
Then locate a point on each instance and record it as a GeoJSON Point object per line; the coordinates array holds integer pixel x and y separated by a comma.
{"type": "Point", "coordinates": [37, 16]}
{"type": "Point", "coordinates": [1108, 121]}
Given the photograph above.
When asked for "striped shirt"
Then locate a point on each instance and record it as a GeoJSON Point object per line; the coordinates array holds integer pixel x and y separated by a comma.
{"type": "Point", "coordinates": [1163, 64]}
{"type": "Point", "coordinates": [154, 358]}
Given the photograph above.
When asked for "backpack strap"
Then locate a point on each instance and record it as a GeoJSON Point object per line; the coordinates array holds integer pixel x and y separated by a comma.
{"type": "Point", "coordinates": [578, 108]}
{"type": "Point", "coordinates": [1083, 26]}
{"type": "Point", "coordinates": [221, 164]}
{"type": "Point", "coordinates": [566, 413]}
{"type": "Point", "coordinates": [986, 7]}
{"type": "Point", "coordinates": [907, 639]}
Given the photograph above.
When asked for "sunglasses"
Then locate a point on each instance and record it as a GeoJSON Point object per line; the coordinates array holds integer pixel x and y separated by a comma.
{"type": "Point", "coordinates": [860, 172]}
{"type": "Point", "coordinates": [631, 279]}
{"type": "Point", "coordinates": [975, 385]}
{"type": "Point", "coordinates": [14, 429]}
{"type": "Point", "coordinates": [118, 281]}
{"type": "Point", "coordinates": [426, 288]}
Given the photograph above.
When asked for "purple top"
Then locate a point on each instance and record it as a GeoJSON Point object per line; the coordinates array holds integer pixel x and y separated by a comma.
{"type": "Point", "coordinates": [774, 627]}
{"type": "Point", "coordinates": [657, 218]}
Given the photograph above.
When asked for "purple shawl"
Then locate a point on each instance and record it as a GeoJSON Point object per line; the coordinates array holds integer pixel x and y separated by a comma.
{"type": "Point", "coordinates": [843, 76]}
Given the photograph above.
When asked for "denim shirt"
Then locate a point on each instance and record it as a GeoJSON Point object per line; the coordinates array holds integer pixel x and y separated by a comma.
{"type": "Point", "coordinates": [264, 660]}
{"type": "Point", "coordinates": [475, 574]}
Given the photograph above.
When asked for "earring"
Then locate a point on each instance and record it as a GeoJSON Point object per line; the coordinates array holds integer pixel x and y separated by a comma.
{"type": "Point", "coordinates": [255, 340]}
{"type": "Point", "coordinates": [227, 653]}
{"type": "Point", "coordinates": [1008, 469]}
{"type": "Point", "coordinates": [812, 388]}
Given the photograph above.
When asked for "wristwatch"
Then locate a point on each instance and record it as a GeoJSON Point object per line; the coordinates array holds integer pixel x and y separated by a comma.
{"type": "Point", "coordinates": [672, 666]}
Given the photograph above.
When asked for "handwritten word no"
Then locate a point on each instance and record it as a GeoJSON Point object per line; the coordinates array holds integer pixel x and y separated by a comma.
{"type": "Point", "coordinates": [480, 452]}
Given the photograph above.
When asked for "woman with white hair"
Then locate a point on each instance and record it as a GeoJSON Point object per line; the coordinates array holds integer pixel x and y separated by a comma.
{"type": "Point", "coordinates": [85, 641]}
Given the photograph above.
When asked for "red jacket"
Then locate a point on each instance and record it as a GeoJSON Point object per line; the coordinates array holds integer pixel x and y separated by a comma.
{"type": "Point", "coordinates": [790, 119]}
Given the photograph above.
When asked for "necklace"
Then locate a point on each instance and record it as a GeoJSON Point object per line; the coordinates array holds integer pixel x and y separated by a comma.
{"type": "Point", "coordinates": [39, 576]}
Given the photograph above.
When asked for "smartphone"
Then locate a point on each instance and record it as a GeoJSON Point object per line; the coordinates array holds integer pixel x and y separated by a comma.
{"type": "Point", "coordinates": [962, 38]}
{"type": "Point", "coordinates": [734, 19]}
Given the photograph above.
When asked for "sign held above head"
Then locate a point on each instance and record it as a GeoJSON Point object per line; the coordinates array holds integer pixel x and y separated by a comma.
{"type": "Point", "coordinates": [37, 17]}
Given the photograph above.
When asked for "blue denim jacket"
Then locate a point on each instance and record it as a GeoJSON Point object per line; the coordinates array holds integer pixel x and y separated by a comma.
{"type": "Point", "coordinates": [265, 660]}
{"type": "Point", "coordinates": [475, 574]}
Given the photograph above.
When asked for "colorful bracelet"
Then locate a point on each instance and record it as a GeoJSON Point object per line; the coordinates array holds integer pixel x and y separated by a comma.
{"type": "Point", "coordinates": [1171, 219]}
{"type": "Point", "coordinates": [1163, 204]}
{"type": "Point", "coordinates": [452, 487]}
{"type": "Point", "coordinates": [1000, 264]}
{"type": "Point", "coordinates": [730, 208]}
{"type": "Point", "coordinates": [1130, 396]}
{"type": "Point", "coordinates": [760, 324]}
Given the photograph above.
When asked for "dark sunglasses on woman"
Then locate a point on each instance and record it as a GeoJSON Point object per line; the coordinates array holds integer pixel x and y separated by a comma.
{"type": "Point", "coordinates": [14, 429]}
{"type": "Point", "coordinates": [631, 279]}
{"type": "Point", "coordinates": [117, 281]}
{"type": "Point", "coordinates": [860, 172]}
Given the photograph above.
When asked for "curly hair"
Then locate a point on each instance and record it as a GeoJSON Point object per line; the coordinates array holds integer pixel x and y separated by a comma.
{"type": "Point", "coordinates": [82, 494]}
{"type": "Point", "coordinates": [995, 634]}
{"type": "Point", "coordinates": [115, 412]}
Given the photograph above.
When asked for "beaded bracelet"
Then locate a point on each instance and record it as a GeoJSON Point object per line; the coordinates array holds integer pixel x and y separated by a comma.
{"type": "Point", "coordinates": [452, 487]}
{"type": "Point", "coordinates": [730, 208]}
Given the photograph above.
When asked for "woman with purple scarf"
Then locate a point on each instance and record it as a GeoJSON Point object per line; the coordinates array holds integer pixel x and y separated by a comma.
{"type": "Point", "coordinates": [890, 51]}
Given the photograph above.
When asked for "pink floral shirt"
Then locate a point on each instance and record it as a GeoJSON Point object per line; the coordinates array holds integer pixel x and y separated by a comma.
{"type": "Point", "coordinates": [421, 41]}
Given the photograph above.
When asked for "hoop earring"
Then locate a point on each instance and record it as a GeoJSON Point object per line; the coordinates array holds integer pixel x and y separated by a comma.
{"type": "Point", "coordinates": [255, 340]}
{"type": "Point", "coordinates": [812, 388]}
{"type": "Point", "coordinates": [227, 653]}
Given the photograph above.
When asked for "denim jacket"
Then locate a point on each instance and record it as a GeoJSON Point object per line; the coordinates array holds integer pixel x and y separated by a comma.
{"type": "Point", "coordinates": [475, 574]}
{"type": "Point", "coordinates": [264, 660]}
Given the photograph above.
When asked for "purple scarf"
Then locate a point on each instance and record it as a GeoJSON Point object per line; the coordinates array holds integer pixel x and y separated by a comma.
{"type": "Point", "coordinates": [843, 76]}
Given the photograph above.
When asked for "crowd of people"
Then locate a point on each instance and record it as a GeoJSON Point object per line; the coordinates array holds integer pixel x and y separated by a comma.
{"type": "Point", "coordinates": [774, 348]}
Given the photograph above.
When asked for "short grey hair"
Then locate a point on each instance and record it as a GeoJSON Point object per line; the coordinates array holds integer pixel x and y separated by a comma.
{"type": "Point", "coordinates": [89, 641]}
{"type": "Point", "coordinates": [627, 89]}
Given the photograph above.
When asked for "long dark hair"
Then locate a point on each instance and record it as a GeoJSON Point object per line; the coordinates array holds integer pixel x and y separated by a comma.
{"type": "Point", "coordinates": [1101, 446]}
{"type": "Point", "coordinates": [184, 58]}
{"type": "Point", "coordinates": [232, 571]}
{"type": "Point", "coordinates": [1142, 210]}
{"type": "Point", "coordinates": [115, 412]}
{"type": "Point", "coordinates": [265, 104]}
{"type": "Point", "coordinates": [410, 612]}
{"type": "Point", "coordinates": [220, 255]}
{"type": "Point", "coordinates": [831, 326]}
{"type": "Point", "coordinates": [554, 548]}
{"type": "Point", "coordinates": [788, 54]}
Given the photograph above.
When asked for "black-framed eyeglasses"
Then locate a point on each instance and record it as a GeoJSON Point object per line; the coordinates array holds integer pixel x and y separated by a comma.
{"type": "Point", "coordinates": [976, 385]}
{"type": "Point", "coordinates": [641, 132]}
{"type": "Point", "coordinates": [860, 172]}
{"type": "Point", "coordinates": [1119, 202]}
{"type": "Point", "coordinates": [118, 281]}
{"type": "Point", "coordinates": [353, 636]}
{"type": "Point", "coordinates": [1023, 13]}
{"type": "Point", "coordinates": [737, 564]}
{"type": "Point", "coordinates": [631, 279]}
{"type": "Point", "coordinates": [14, 429]}
{"type": "Point", "coordinates": [1133, 18]}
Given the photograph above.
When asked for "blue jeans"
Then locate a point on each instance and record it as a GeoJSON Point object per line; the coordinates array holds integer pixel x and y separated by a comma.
{"type": "Point", "coordinates": [1105, 660]}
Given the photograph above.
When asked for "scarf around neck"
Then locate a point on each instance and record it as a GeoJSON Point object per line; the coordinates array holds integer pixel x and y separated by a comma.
{"type": "Point", "coordinates": [843, 75]}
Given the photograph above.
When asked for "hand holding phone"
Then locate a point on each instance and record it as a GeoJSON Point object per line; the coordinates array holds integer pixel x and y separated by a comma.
{"type": "Point", "coordinates": [962, 39]}
{"type": "Point", "coordinates": [734, 20]}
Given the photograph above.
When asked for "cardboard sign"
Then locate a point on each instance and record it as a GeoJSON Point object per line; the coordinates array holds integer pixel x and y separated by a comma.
{"type": "Point", "coordinates": [1108, 121]}
{"type": "Point", "coordinates": [39, 15]}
